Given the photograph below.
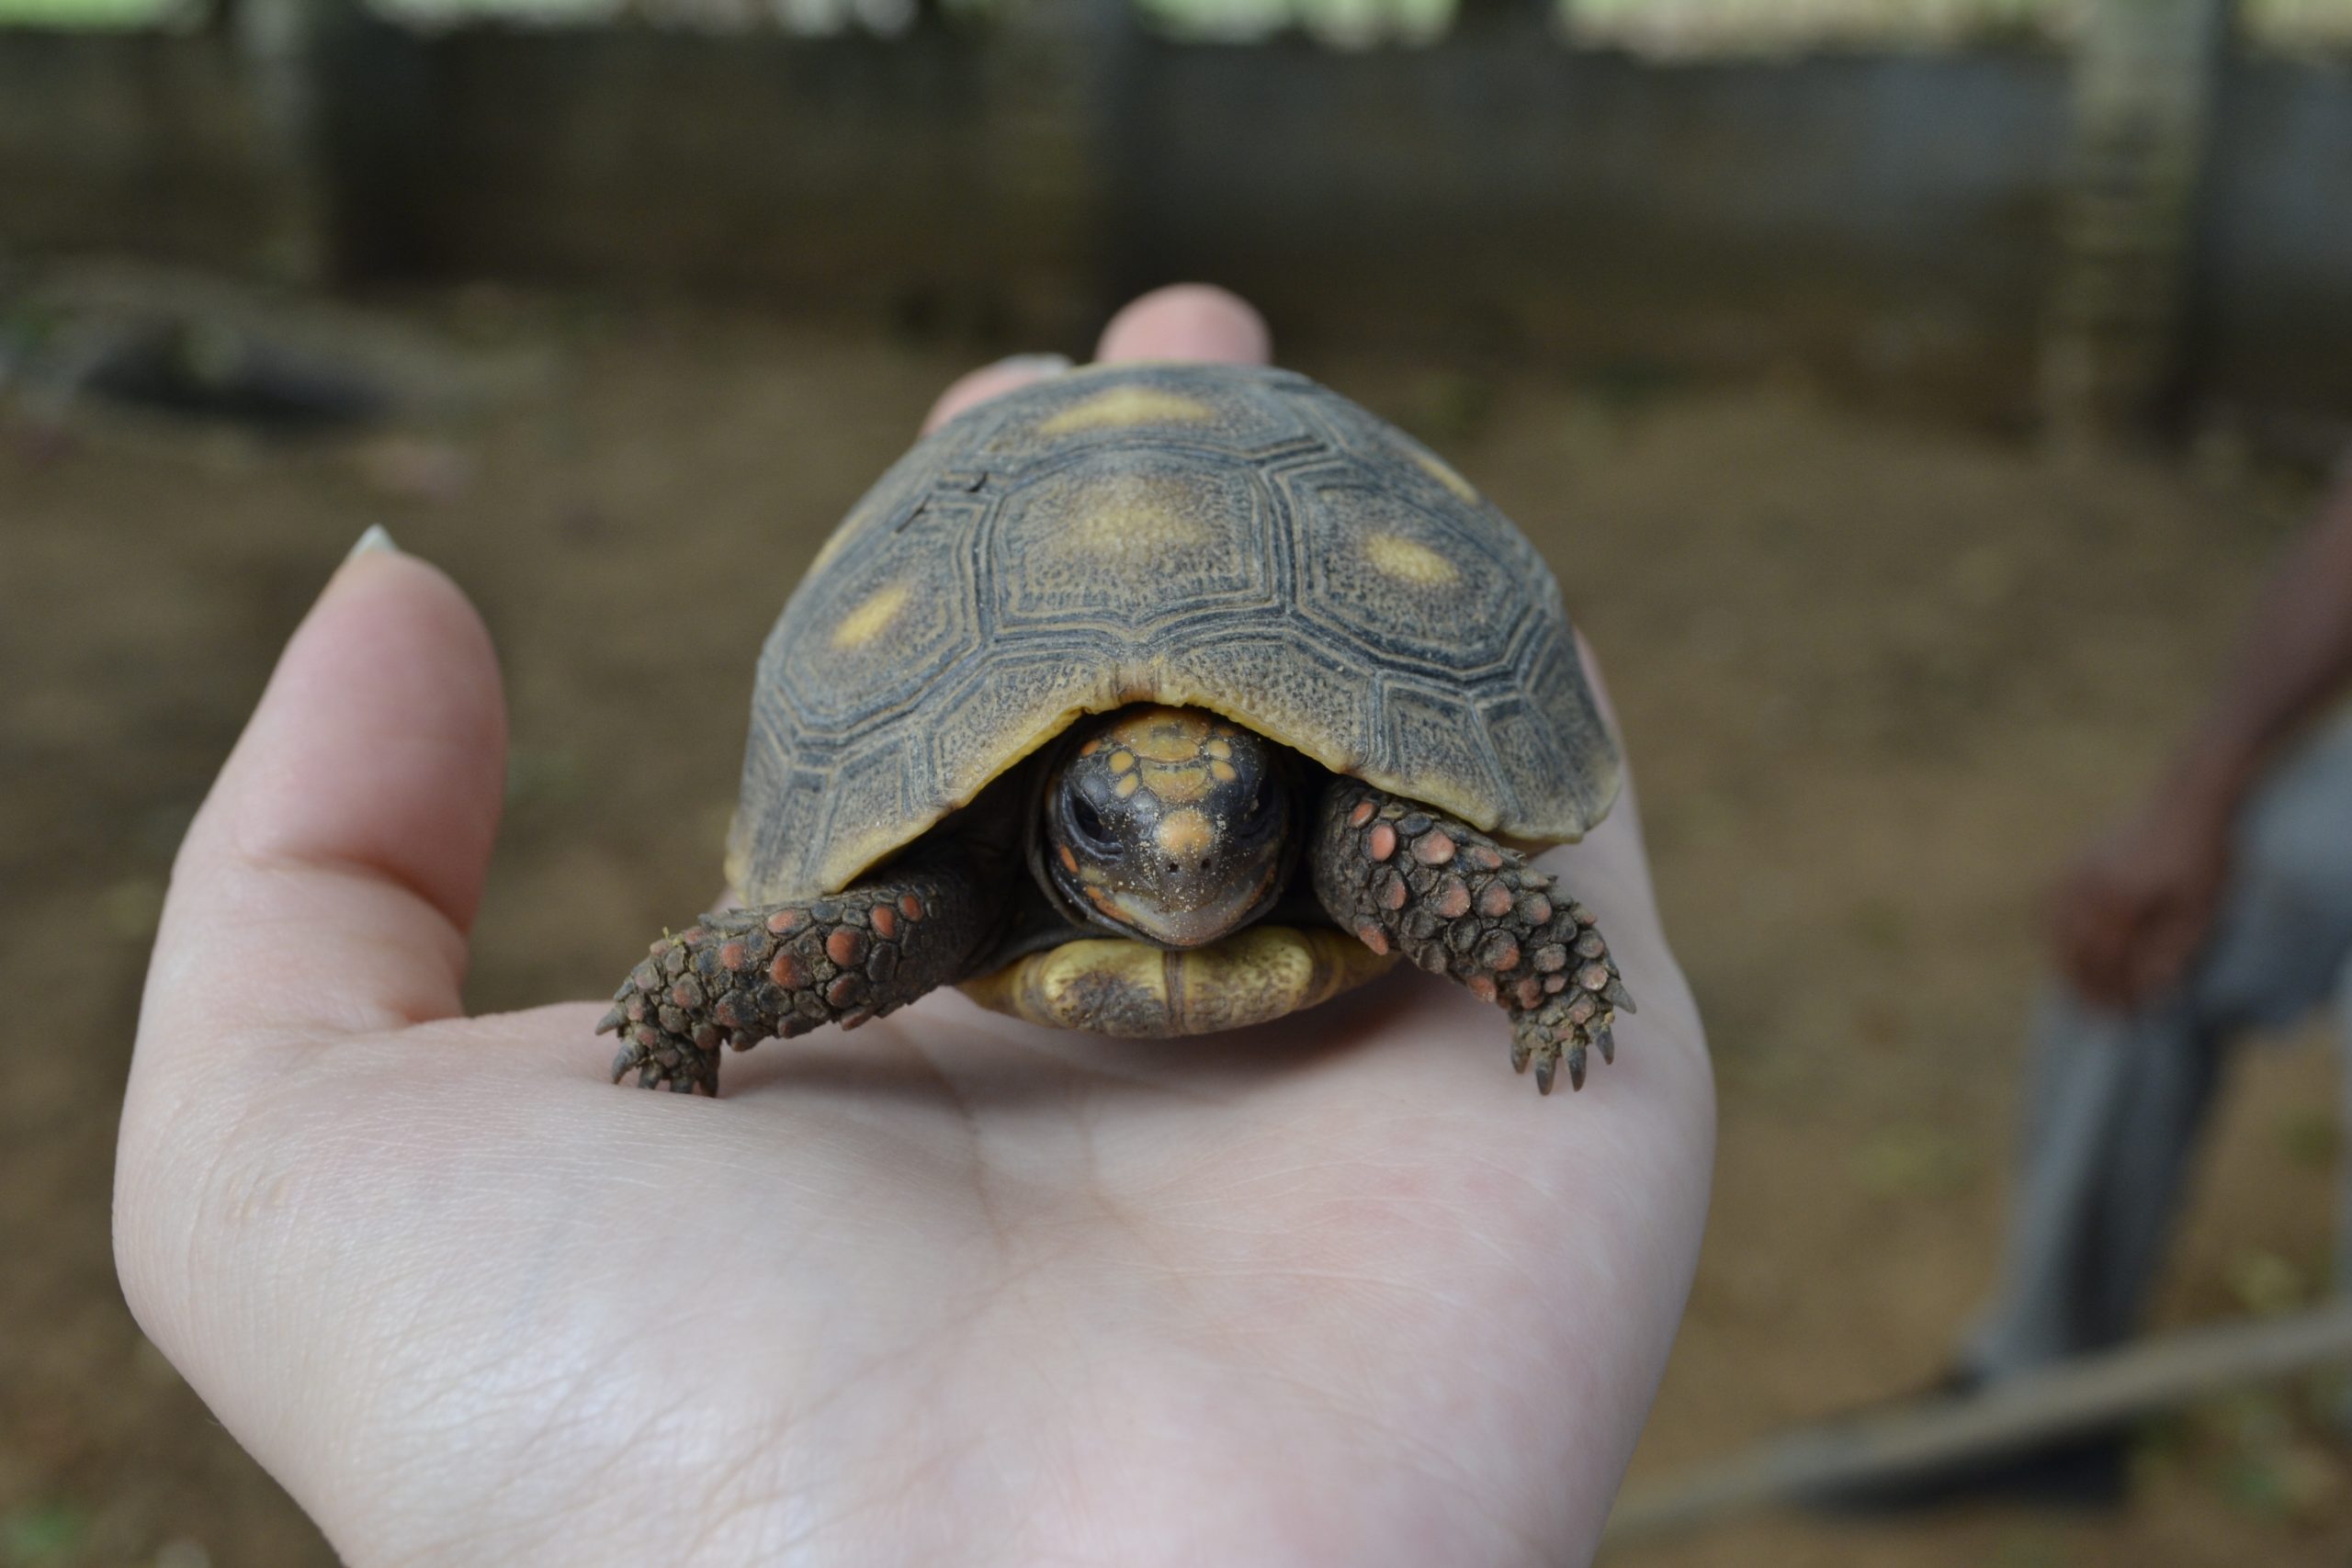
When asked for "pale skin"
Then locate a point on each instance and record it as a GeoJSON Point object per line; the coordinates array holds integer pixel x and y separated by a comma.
{"type": "Point", "coordinates": [948, 1289]}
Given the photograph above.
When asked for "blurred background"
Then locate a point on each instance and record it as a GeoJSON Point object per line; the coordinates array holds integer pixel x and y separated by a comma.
{"type": "Point", "coordinates": [1908, 392]}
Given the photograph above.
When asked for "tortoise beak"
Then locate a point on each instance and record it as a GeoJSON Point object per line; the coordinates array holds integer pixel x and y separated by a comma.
{"type": "Point", "coordinates": [1178, 925]}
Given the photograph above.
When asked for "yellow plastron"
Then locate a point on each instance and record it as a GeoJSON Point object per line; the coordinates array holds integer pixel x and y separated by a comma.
{"type": "Point", "coordinates": [1111, 986]}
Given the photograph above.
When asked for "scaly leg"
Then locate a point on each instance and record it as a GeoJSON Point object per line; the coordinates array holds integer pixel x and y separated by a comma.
{"type": "Point", "coordinates": [743, 976]}
{"type": "Point", "coordinates": [1404, 877]}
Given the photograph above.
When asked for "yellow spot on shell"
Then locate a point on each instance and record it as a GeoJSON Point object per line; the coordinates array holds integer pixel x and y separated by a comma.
{"type": "Point", "coordinates": [1124, 406]}
{"type": "Point", "coordinates": [1442, 471]}
{"type": "Point", "coordinates": [1135, 519]}
{"type": "Point", "coordinates": [866, 622]}
{"type": "Point", "coordinates": [1185, 834]}
{"type": "Point", "coordinates": [1122, 760]}
{"type": "Point", "coordinates": [1410, 562]}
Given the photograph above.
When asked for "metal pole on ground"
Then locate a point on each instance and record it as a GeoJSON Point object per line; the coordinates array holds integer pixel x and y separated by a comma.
{"type": "Point", "coordinates": [2076, 1396]}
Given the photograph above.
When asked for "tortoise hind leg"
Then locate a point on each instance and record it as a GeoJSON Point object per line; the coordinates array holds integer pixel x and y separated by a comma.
{"type": "Point", "coordinates": [1404, 877]}
{"type": "Point", "coordinates": [739, 976]}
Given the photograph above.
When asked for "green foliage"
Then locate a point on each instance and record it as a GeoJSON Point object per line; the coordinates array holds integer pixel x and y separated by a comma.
{"type": "Point", "coordinates": [1340, 22]}
{"type": "Point", "coordinates": [89, 13]}
{"type": "Point", "coordinates": [2267, 1284]}
{"type": "Point", "coordinates": [2308, 1136]}
{"type": "Point", "coordinates": [1739, 27]}
{"type": "Point", "coordinates": [41, 1533]}
{"type": "Point", "coordinates": [1667, 28]}
{"type": "Point", "coordinates": [1913, 1160]}
{"type": "Point", "coordinates": [2298, 24]}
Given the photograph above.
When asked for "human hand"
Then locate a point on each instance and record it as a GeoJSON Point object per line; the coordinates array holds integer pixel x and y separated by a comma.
{"type": "Point", "coordinates": [950, 1289]}
{"type": "Point", "coordinates": [2136, 906]}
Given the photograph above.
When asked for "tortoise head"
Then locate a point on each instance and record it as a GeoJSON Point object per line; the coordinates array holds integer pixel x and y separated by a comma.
{"type": "Point", "coordinates": [1169, 825]}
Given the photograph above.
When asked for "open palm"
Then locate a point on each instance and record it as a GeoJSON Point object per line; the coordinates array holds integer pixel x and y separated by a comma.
{"type": "Point", "coordinates": [949, 1289]}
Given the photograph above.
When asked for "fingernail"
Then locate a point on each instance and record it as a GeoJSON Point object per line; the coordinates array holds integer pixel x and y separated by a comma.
{"type": "Point", "coordinates": [376, 538]}
{"type": "Point", "coordinates": [1033, 364]}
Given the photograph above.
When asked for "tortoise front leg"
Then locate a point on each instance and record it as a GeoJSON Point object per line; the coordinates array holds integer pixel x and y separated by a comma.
{"type": "Point", "coordinates": [1404, 877]}
{"type": "Point", "coordinates": [742, 976]}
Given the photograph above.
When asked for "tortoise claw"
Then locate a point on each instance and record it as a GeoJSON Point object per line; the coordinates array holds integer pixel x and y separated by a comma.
{"type": "Point", "coordinates": [665, 1061]}
{"type": "Point", "coordinates": [1553, 1035]}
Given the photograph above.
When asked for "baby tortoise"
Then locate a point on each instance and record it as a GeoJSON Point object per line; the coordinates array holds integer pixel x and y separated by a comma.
{"type": "Point", "coordinates": [1153, 700]}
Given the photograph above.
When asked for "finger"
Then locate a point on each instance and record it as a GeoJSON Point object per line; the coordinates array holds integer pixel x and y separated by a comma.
{"type": "Point", "coordinates": [1187, 320]}
{"type": "Point", "coordinates": [993, 381]}
{"type": "Point", "coordinates": [329, 880]}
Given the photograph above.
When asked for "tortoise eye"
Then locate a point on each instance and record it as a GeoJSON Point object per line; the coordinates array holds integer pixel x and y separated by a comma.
{"type": "Point", "coordinates": [1089, 825]}
{"type": "Point", "coordinates": [1260, 808]}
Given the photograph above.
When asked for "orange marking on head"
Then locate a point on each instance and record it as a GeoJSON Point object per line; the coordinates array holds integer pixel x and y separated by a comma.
{"type": "Point", "coordinates": [1180, 784]}
{"type": "Point", "coordinates": [1122, 760]}
{"type": "Point", "coordinates": [1070, 861]}
{"type": "Point", "coordinates": [1185, 834]}
{"type": "Point", "coordinates": [1223, 772]}
{"type": "Point", "coordinates": [1165, 735]}
{"type": "Point", "coordinates": [1126, 786]}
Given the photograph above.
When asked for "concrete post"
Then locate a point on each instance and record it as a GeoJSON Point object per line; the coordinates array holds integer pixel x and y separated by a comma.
{"type": "Point", "coordinates": [1058, 74]}
{"type": "Point", "coordinates": [2146, 73]}
{"type": "Point", "coordinates": [276, 44]}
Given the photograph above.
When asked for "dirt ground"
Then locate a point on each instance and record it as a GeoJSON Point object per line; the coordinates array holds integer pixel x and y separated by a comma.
{"type": "Point", "coordinates": [1877, 675]}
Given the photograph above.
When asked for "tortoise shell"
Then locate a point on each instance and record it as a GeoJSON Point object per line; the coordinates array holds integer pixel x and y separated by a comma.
{"type": "Point", "coordinates": [1226, 537]}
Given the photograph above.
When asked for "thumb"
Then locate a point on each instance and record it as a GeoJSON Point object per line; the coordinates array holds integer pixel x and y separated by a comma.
{"type": "Point", "coordinates": [329, 881]}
